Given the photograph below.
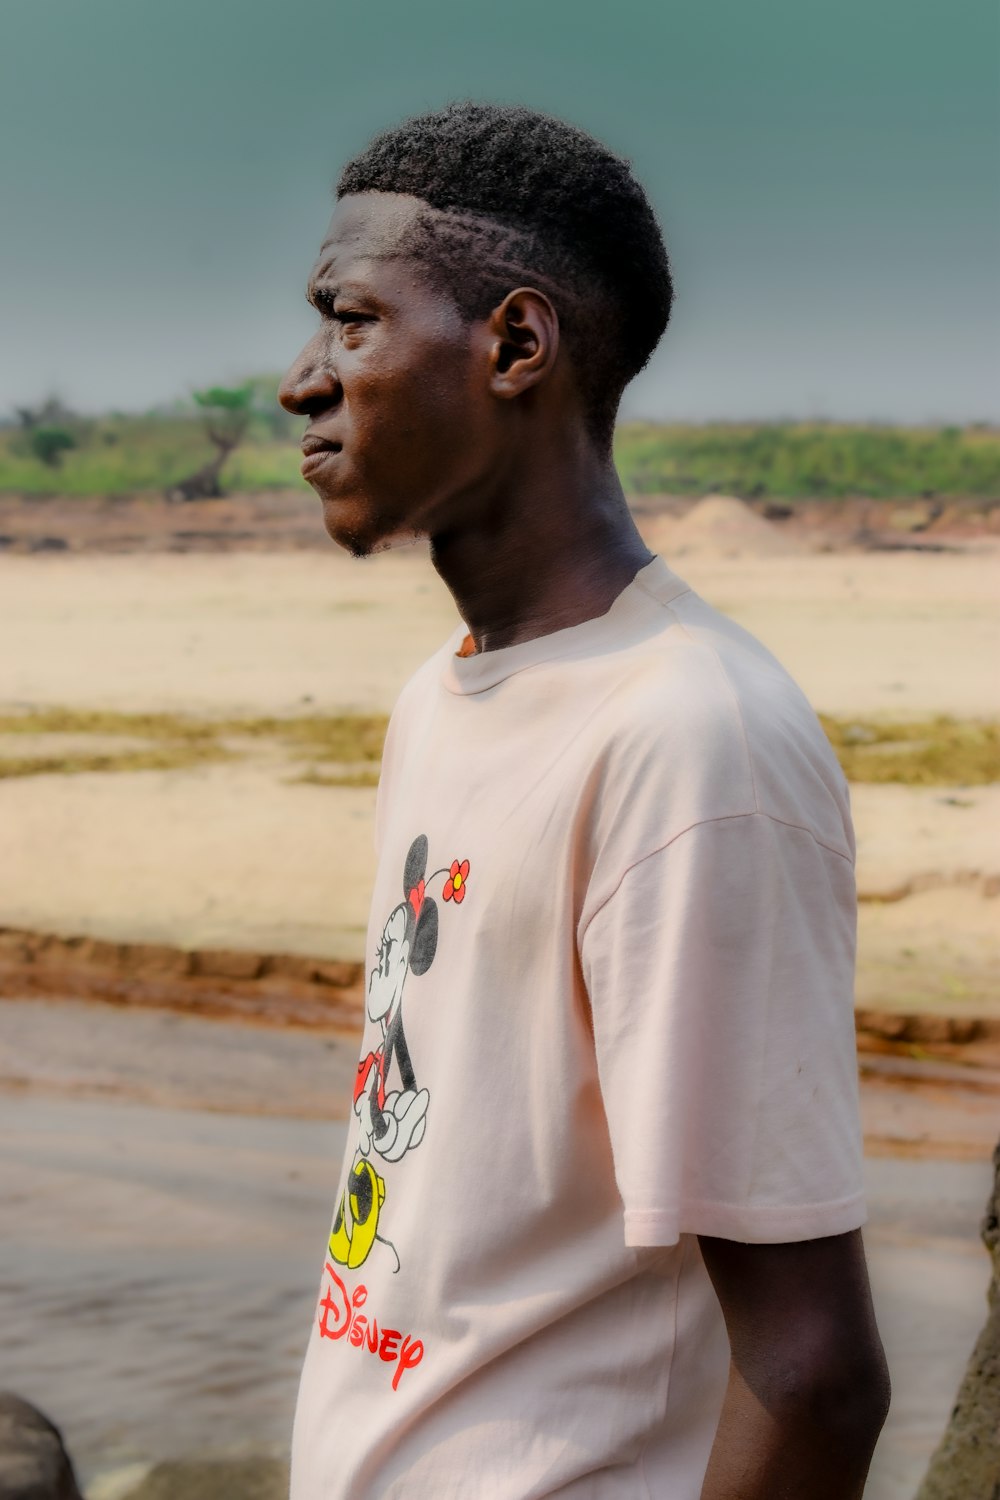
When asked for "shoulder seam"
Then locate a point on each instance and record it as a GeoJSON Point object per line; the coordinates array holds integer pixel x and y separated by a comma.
{"type": "Point", "coordinates": [704, 823]}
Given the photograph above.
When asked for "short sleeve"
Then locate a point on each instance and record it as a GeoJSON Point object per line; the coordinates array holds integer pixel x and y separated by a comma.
{"type": "Point", "coordinates": [721, 975]}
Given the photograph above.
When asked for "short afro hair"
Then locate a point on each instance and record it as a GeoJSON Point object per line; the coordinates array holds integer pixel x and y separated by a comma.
{"type": "Point", "coordinates": [521, 197]}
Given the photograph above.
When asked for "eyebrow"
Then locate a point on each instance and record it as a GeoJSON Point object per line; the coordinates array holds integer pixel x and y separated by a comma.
{"type": "Point", "coordinates": [318, 296]}
{"type": "Point", "coordinates": [322, 295]}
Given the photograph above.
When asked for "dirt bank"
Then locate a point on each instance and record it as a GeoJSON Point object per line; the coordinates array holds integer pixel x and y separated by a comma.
{"type": "Point", "coordinates": [289, 520]}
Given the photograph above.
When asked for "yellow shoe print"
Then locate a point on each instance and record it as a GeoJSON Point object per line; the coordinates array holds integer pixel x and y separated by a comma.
{"type": "Point", "coordinates": [367, 1191]}
{"type": "Point", "coordinates": [367, 1194]}
{"type": "Point", "coordinates": [340, 1240]}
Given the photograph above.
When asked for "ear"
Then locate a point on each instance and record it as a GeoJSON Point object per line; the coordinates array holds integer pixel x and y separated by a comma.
{"type": "Point", "coordinates": [425, 939]}
{"type": "Point", "coordinates": [524, 329]}
{"type": "Point", "coordinates": [416, 864]}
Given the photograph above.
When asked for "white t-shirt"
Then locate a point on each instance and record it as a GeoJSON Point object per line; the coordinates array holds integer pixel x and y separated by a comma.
{"type": "Point", "coordinates": [609, 1009]}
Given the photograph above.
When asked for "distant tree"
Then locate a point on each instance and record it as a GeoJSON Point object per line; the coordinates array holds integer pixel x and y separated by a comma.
{"type": "Point", "coordinates": [966, 1464]}
{"type": "Point", "coordinates": [52, 413]}
{"type": "Point", "coordinates": [270, 419]}
{"type": "Point", "coordinates": [226, 412]}
{"type": "Point", "coordinates": [48, 444]}
{"type": "Point", "coordinates": [48, 431]}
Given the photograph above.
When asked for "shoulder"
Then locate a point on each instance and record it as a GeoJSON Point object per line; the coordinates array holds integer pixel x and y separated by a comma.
{"type": "Point", "coordinates": [703, 724]}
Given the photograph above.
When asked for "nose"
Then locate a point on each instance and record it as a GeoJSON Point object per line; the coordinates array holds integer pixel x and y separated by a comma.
{"type": "Point", "coordinates": [309, 386]}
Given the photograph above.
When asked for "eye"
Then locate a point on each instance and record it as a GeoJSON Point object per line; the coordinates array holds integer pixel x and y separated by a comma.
{"type": "Point", "coordinates": [335, 306]}
{"type": "Point", "coordinates": [321, 301]}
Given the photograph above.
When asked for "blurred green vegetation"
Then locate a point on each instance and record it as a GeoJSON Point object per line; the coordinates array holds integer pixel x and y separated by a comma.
{"type": "Point", "coordinates": [123, 454]}
{"type": "Point", "coordinates": [790, 461]}
{"type": "Point", "coordinates": [345, 749]}
{"type": "Point", "coordinates": [48, 444]}
{"type": "Point", "coordinates": [144, 455]}
{"type": "Point", "coordinates": [117, 455]}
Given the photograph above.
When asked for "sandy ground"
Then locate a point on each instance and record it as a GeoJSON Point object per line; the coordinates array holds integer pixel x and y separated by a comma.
{"type": "Point", "coordinates": [237, 855]}
{"type": "Point", "coordinates": [158, 1263]}
{"type": "Point", "coordinates": [863, 633]}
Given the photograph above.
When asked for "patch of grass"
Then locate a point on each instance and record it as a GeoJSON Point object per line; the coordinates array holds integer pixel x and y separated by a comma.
{"type": "Point", "coordinates": [338, 738]}
{"type": "Point", "coordinates": [365, 776]}
{"type": "Point", "coordinates": [166, 759]}
{"type": "Point", "coordinates": [346, 749]}
{"type": "Point", "coordinates": [329, 737]}
{"type": "Point", "coordinates": [342, 738]}
{"type": "Point", "coordinates": [939, 751]}
{"type": "Point", "coordinates": [106, 721]}
{"type": "Point", "coordinates": [352, 742]}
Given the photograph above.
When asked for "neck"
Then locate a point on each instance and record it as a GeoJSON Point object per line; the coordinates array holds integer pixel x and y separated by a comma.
{"type": "Point", "coordinates": [552, 548]}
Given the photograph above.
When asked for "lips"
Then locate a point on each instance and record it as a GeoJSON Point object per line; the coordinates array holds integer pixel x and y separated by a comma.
{"type": "Point", "coordinates": [312, 443]}
{"type": "Point", "coordinates": [316, 451]}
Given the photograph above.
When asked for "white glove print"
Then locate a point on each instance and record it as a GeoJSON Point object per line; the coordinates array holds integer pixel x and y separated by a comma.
{"type": "Point", "coordinates": [406, 1116]}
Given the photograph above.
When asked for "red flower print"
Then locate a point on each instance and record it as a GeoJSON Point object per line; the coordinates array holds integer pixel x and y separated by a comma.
{"type": "Point", "coordinates": [454, 886]}
{"type": "Point", "coordinates": [416, 897]}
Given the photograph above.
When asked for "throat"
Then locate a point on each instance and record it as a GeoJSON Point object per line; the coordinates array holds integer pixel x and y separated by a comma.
{"type": "Point", "coordinates": [520, 598]}
{"type": "Point", "coordinates": [554, 545]}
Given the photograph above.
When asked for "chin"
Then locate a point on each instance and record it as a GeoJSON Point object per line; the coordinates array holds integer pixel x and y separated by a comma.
{"type": "Point", "coordinates": [357, 529]}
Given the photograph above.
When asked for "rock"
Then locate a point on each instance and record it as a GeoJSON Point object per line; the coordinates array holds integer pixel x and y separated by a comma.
{"type": "Point", "coordinates": [214, 1479]}
{"type": "Point", "coordinates": [34, 1464]}
{"type": "Point", "coordinates": [966, 1463]}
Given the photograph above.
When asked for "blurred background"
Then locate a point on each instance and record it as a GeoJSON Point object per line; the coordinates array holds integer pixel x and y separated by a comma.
{"type": "Point", "coordinates": [194, 686]}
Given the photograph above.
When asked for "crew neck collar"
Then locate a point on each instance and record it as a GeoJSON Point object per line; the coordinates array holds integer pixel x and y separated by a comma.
{"type": "Point", "coordinates": [652, 587]}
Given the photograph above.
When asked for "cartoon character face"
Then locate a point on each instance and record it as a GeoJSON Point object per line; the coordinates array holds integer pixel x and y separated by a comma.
{"type": "Point", "coordinates": [385, 982]}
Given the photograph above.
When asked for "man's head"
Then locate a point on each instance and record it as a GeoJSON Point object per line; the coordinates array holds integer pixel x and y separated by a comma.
{"type": "Point", "coordinates": [522, 198]}
{"type": "Point", "coordinates": [459, 210]}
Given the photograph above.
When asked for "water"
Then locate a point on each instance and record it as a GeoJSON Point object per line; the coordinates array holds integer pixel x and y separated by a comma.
{"type": "Point", "coordinates": [159, 1265]}
{"type": "Point", "coordinates": [158, 1271]}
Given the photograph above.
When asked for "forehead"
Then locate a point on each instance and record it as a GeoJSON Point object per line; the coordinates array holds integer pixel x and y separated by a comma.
{"type": "Point", "coordinates": [367, 228]}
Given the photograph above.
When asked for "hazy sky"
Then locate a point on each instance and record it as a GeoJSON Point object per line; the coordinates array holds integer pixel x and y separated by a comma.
{"type": "Point", "coordinates": [828, 175]}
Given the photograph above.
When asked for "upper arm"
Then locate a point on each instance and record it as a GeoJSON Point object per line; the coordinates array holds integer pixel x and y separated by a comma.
{"type": "Point", "coordinates": [799, 1318]}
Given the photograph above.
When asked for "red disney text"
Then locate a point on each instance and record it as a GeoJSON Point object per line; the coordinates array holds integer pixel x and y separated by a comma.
{"type": "Point", "coordinates": [340, 1317]}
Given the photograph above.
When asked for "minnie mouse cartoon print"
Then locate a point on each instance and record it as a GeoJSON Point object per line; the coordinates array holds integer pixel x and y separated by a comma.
{"type": "Point", "coordinates": [391, 1113]}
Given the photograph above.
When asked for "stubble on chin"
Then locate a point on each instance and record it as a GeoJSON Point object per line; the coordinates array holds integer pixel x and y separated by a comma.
{"type": "Point", "coordinates": [356, 543]}
{"type": "Point", "coordinates": [375, 535]}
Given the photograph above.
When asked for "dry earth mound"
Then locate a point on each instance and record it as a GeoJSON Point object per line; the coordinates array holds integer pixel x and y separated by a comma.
{"type": "Point", "coordinates": [719, 525]}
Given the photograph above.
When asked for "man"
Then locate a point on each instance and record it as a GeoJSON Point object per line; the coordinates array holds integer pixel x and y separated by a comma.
{"type": "Point", "coordinates": [597, 1229]}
